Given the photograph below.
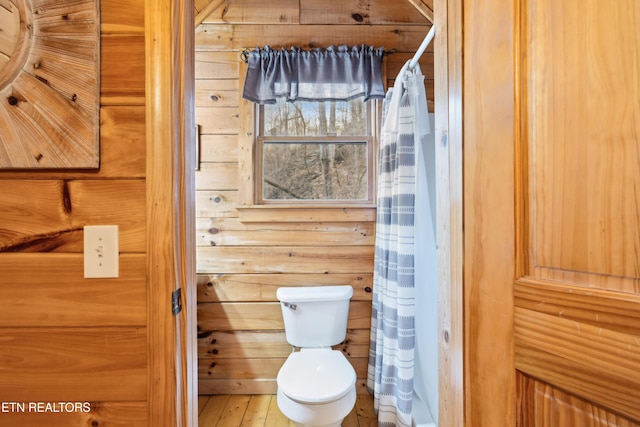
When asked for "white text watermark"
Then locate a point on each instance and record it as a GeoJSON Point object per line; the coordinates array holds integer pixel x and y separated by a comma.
{"type": "Point", "coordinates": [45, 407]}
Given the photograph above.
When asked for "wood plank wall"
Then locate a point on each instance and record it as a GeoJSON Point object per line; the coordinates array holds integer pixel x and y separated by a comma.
{"type": "Point", "coordinates": [63, 337]}
{"type": "Point", "coordinates": [241, 264]}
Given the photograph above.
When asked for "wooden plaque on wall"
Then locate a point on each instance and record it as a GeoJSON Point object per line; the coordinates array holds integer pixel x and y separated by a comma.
{"type": "Point", "coordinates": [49, 84]}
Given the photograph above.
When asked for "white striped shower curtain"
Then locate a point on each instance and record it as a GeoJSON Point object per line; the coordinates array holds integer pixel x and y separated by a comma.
{"type": "Point", "coordinates": [392, 343]}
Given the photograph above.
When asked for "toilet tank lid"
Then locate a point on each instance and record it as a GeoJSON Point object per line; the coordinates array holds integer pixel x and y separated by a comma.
{"type": "Point", "coordinates": [314, 293]}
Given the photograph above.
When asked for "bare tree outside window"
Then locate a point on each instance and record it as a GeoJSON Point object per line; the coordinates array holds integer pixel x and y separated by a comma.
{"type": "Point", "coordinates": [317, 151]}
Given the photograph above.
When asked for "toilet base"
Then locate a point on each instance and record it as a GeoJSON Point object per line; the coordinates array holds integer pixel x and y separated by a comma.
{"type": "Point", "coordinates": [317, 414]}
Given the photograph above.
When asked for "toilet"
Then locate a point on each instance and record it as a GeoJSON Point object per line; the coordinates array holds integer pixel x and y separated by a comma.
{"type": "Point", "coordinates": [316, 384]}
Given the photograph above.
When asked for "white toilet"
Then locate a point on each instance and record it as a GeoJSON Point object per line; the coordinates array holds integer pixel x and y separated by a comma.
{"type": "Point", "coordinates": [316, 385]}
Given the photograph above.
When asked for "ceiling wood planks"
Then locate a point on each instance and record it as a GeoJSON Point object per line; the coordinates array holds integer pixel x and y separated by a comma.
{"type": "Point", "coordinates": [204, 9]}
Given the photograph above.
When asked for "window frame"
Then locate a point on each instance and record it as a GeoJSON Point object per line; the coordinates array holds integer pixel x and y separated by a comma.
{"type": "Point", "coordinates": [250, 212]}
{"type": "Point", "coordinates": [372, 112]}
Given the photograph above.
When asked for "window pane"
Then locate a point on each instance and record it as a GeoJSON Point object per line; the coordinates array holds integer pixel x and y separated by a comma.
{"type": "Point", "coordinates": [337, 118]}
{"type": "Point", "coordinates": [315, 171]}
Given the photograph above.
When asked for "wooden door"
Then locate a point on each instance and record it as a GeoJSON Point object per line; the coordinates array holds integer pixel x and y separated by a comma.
{"type": "Point", "coordinates": [577, 300]}
{"type": "Point", "coordinates": [551, 194]}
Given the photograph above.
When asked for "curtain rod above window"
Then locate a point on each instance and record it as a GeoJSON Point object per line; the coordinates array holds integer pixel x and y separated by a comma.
{"type": "Point", "coordinates": [244, 55]}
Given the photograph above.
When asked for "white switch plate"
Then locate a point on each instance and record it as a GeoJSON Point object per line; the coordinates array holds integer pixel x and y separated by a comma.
{"type": "Point", "coordinates": [101, 252]}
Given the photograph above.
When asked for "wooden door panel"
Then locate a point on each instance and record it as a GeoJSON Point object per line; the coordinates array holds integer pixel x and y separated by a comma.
{"type": "Point", "coordinates": [577, 300]}
{"type": "Point", "coordinates": [598, 364]}
{"type": "Point", "coordinates": [553, 407]}
{"type": "Point", "coordinates": [584, 123]}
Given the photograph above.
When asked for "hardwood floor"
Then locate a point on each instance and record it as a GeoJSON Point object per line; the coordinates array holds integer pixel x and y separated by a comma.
{"type": "Point", "coordinates": [243, 410]}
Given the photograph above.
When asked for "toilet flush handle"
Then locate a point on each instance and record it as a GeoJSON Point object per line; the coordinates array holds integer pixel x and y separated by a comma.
{"type": "Point", "coordinates": [289, 305]}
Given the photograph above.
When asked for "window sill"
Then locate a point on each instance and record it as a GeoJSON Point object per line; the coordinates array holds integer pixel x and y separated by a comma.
{"type": "Point", "coordinates": [297, 213]}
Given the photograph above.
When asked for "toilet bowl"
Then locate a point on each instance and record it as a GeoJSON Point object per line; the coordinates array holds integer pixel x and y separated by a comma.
{"type": "Point", "coordinates": [316, 387]}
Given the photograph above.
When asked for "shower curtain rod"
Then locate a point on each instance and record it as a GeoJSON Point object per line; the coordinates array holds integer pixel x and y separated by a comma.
{"type": "Point", "coordinates": [422, 47]}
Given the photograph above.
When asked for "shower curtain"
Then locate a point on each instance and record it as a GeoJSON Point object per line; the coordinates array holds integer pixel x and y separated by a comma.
{"type": "Point", "coordinates": [392, 342]}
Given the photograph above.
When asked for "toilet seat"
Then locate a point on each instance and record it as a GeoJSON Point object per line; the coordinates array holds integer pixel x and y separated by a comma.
{"type": "Point", "coordinates": [317, 375]}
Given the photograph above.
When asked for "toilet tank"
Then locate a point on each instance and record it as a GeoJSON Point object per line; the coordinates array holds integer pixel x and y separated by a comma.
{"type": "Point", "coordinates": [315, 316]}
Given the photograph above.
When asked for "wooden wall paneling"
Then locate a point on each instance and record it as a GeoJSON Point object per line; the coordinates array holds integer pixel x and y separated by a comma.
{"type": "Point", "coordinates": [221, 148]}
{"type": "Point", "coordinates": [253, 344]}
{"type": "Point", "coordinates": [122, 142]}
{"type": "Point", "coordinates": [118, 202]}
{"type": "Point", "coordinates": [122, 70]}
{"type": "Point", "coordinates": [267, 344]}
{"type": "Point", "coordinates": [216, 93]}
{"type": "Point", "coordinates": [217, 176]}
{"type": "Point", "coordinates": [354, 12]}
{"type": "Point", "coordinates": [63, 208]}
{"type": "Point", "coordinates": [307, 214]}
{"type": "Point", "coordinates": [239, 368]}
{"type": "Point", "coordinates": [73, 364]}
{"type": "Point", "coordinates": [263, 287]}
{"type": "Point", "coordinates": [218, 120]}
{"type": "Point", "coordinates": [54, 292]}
{"type": "Point", "coordinates": [230, 231]}
{"type": "Point", "coordinates": [356, 344]}
{"type": "Point", "coordinates": [402, 38]}
{"type": "Point", "coordinates": [256, 12]}
{"type": "Point", "coordinates": [394, 61]}
{"type": "Point", "coordinates": [246, 316]}
{"type": "Point", "coordinates": [122, 16]}
{"type": "Point", "coordinates": [299, 259]}
{"type": "Point", "coordinates": [26, 221]}
{"type": "Point", "coordinates": [216, 204]}
{"type": "Point", "coordinates": [211, 64]}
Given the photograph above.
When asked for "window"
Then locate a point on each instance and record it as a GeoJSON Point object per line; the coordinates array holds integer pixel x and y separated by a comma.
{"type": "Point", "coordinates": [316, 152]}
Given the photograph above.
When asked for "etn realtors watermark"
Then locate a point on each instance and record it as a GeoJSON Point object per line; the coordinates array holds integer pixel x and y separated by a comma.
{"type": "Point", "coordinates": [44, 407]}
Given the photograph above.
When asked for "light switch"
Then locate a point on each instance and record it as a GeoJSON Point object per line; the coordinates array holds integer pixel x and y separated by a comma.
{"type": "Point", "coordinates": [101, 251]}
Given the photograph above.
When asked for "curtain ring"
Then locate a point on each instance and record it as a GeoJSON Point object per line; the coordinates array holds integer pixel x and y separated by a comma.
{"type": "Point", "coordinates": [245, 55]}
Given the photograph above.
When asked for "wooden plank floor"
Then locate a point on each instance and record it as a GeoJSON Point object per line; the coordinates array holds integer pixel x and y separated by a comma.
{"type": "Point", "coordinates": [243, 410]}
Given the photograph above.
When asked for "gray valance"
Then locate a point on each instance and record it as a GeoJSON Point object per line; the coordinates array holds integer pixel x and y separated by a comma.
{"type": "Point", "coordinates": [337, 73]}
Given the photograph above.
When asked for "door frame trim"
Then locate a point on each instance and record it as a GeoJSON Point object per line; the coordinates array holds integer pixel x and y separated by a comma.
{"type": "Point", "coordinates": [449, 194]}
{"type": "Point", "coordinates": [170, 211]}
